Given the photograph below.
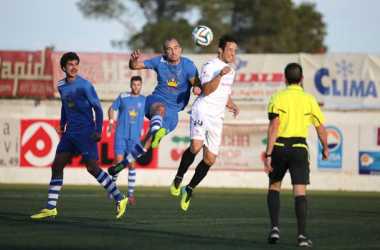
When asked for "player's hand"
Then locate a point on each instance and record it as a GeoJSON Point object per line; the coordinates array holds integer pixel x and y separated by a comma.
{"type": "Point", "coordinates": [135, 55]}
{"type": "Point", "coordinates": [267, 165]}
{"type": "Point", "coordinates": [60, 129]}
{"type": "Point", "coordinates": [111, 128]}
{"type": "Point", "coordinates": [234, 109]}
{"type": "Point", "coordinates": [225, 70]}
{"type": "Point", "coordinates": [197, 90]}
{"type": "Point", "coordinates": [96, 137]}
{"type": "Point", "coordinates": [325, 154]}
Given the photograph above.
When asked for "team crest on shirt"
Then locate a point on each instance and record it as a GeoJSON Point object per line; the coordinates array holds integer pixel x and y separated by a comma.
{"type": "Point", "coordinates": [172, 83]}
{"type": "Point", "coordinates": [204, 73]}
{"type": "Point", "coordinates": [70, 103]}
{"type": "Point", "coordinates": [132, 112]}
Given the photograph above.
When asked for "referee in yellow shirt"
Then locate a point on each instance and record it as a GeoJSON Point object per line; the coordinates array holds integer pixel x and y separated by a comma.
{"type": "Point", "coordinates": [291, 111]}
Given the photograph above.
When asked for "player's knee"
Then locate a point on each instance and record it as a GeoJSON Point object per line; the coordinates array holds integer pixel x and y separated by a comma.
{"type": "Point", "coordinates": [158, 108]}
{"type": "Point", "coordinates": [194, 148]}
{"type": "Point", "coordinates": [209, 161]}
{"type": "Point", "coordinates": [93, 170]}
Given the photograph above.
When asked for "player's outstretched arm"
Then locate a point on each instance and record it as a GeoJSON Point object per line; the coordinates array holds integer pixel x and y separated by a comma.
{"type": "Point", "coordinates": [134, 63]}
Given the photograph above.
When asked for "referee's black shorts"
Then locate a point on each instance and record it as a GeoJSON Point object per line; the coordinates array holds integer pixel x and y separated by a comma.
{"type": "Point", "coordinates": [293, 154]}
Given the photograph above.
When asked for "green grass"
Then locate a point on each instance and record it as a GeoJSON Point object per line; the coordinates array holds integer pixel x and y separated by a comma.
{"type": "Point", "coordinates": [216, 219]}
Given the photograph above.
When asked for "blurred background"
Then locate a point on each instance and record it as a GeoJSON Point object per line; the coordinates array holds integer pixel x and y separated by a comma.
{"type": "Point", "coordinates": [312, 26]}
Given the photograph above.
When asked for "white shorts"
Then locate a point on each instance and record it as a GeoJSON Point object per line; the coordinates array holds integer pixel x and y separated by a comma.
{"type": "Point", "coordinates": [207, 129]}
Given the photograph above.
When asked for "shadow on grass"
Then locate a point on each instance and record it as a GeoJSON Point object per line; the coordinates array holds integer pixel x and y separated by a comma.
{"type": "Point", "coordinates": [121, 228]}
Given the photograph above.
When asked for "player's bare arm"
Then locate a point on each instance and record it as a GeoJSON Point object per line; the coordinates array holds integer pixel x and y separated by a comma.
{"type": "Point", "coordinates": [133, 61]}
{"type": "Point", "coordinates": [111, 126]}
{"type": "Point", "coordinates": [232, 107]}
{"type": "Point", "coordinates": [212, 85]}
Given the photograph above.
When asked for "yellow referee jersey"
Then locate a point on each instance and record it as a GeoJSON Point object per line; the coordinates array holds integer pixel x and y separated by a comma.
{"type": "Point", "coordinates": [296, 110]}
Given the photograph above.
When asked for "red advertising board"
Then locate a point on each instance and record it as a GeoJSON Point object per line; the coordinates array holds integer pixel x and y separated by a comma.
{"type": "Point", "coordinates": [108, 72]}
{"type": "Point", "coordinates": [39, 141]}
{"type": "Point", "coordinates": [26, 73]}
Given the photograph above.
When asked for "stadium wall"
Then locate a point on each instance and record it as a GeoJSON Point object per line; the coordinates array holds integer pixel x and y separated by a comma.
{"type": "Point", "coordinates": [27, 148]}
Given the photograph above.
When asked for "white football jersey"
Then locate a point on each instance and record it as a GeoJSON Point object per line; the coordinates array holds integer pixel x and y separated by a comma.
{"type": "Point", "coordinates": [215, 103]}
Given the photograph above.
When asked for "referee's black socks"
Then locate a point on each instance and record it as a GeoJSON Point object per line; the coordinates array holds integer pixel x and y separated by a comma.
{"type": "Point", "coordinates": [273, 201]}
{"type": "Point", "coordinates": [301, 213]}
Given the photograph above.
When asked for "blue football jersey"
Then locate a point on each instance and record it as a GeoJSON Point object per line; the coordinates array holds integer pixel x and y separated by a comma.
{"type": "Point", "coordinates": [78, 97]}
{"type": "Point", "coordinates": [173, 82]}
{"type": "Point", "coordinates": [130, 116]}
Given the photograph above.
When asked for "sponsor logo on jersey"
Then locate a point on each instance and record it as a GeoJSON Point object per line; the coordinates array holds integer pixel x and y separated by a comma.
{"type": "Point", "coordinates": [126, 94]}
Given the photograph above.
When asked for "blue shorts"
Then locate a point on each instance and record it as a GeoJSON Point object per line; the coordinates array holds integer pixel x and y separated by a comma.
{"type": "Point", "coordinates": [123, 146]}
{"type": "Point", "coordinates": [171, 116]}
{"type": "Point", "coordinates": [79, 144]}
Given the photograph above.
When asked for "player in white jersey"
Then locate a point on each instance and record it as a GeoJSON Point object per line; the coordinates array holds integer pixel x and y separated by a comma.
{"type": "Point", "coordinates": [206, 119]}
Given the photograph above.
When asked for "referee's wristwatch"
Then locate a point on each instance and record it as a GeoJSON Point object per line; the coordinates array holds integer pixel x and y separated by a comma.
{"type": "Point", "coordinates": [268, 155]}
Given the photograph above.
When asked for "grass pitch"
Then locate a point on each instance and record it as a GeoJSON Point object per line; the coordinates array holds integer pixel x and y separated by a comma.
{"type": "Point", "coordinates": [216, 219]}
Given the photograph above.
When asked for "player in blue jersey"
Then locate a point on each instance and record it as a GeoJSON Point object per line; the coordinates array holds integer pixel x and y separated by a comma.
{"type": "Point", "coordinates": [130, 119]}
{"type": "Point", "coordinates": [176, 75]}
{"type": "Point", "coordinates": [81, 135]}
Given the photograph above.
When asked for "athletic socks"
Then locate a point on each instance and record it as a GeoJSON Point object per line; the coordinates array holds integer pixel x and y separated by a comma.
{"type": "Point", "coordinates": [301, 213]}
{"type": "Point", "coordinates": [186, 161]}
{"type": "Point", "coordinates": [134, 155]}
{"type": "Point", "coordinates": [114, 177]}
{"type": "Point", "coordinates": [200, 173]}
{"type": "Point", "coordinates": [105, 180]}
{"type": "Point", "coordinates": [273, 201]}
{"type": "Point", "coordinates": [177, 181]}
{"type": "Point", "coordinates": [54, 190]}
{"type": "Point", "coordinates": [131, 180]}
{"type": "Point", "coordinates": [189, 191]}
{"type": "Point", "coordinates": [155, 124]}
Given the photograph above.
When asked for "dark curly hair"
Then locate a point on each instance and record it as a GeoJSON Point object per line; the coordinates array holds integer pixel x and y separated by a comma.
{"type": "Point", "coordinates": [69, 56]}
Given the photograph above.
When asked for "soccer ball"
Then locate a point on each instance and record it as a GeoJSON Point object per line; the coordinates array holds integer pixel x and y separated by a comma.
{"type": "Point", "coordinates": [202, 35]}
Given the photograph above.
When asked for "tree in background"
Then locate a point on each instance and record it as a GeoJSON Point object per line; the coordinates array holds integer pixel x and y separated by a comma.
{"type": "Point", "coordinates": [311, 30]}
{"type": "Point", "coordinates": [261, 26]}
